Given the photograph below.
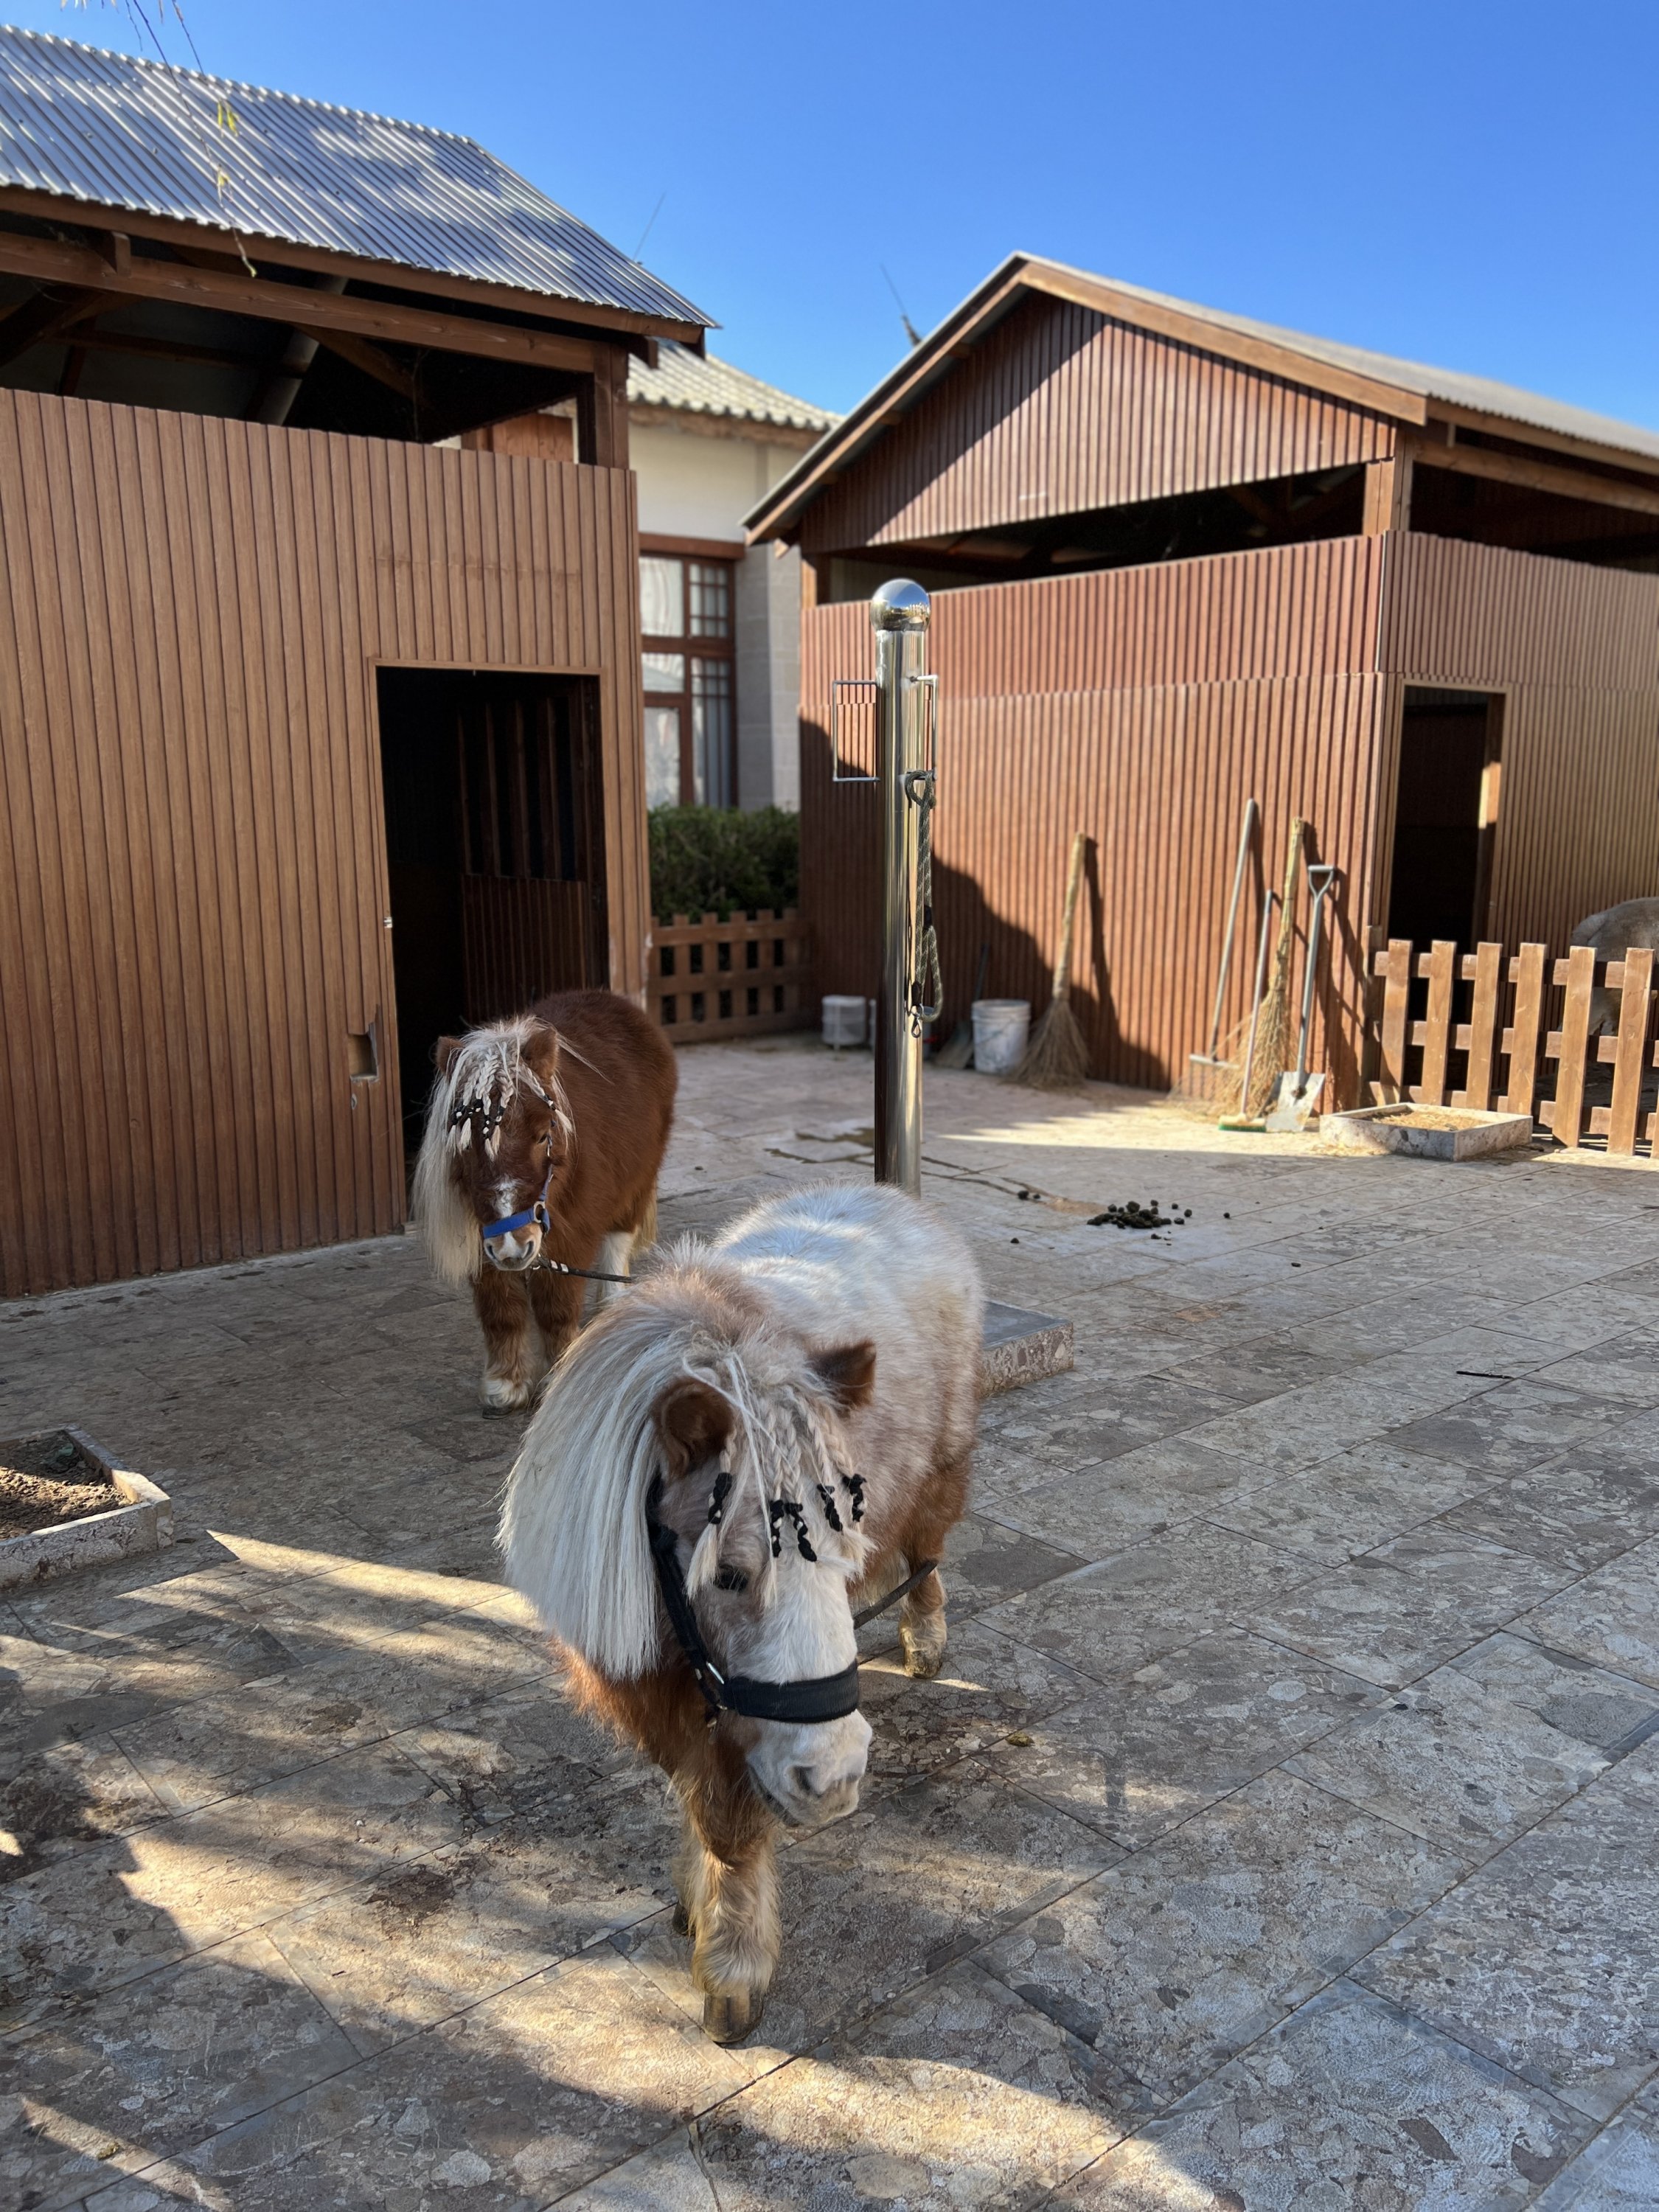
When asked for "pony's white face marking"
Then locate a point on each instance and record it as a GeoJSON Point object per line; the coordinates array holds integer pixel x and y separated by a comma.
{"type": "Point", "coordinates": [519, 1247]}
{"type": "Point", "coordinates": [810, 1771]}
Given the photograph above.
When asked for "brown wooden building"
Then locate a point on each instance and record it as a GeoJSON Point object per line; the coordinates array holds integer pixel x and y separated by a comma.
{"type": "Point", "coordinates": [319, 686]}
{"type": "Point", "coordinates": [1180, 559]}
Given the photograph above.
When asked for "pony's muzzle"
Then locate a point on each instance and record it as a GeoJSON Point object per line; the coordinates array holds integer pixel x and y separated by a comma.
{"type": "Point", "coordinates": [515, 1251]}
{"type": "Point", "coordinates": [812, 1774]}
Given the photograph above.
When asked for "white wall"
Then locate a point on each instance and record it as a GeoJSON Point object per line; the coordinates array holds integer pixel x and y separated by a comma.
{"type": "Point", "coordinates": [692, 484]}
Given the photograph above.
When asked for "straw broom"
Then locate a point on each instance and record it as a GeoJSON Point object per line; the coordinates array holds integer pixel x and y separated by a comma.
{"type": "Point", "coordinates": [1057, 1059]}
{"type": "Point", "coordinates": [1274, 1028]}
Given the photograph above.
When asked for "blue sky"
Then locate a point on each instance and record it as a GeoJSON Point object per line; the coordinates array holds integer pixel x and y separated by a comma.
{"type": "Point", "coordinates": [1468, 184]}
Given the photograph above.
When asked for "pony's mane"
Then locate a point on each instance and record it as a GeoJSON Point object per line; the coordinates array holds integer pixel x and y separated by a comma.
{"type": "Point", "coordinates": [469, 1102]}
{"type": "Point", "coordinates": [573, 1526]}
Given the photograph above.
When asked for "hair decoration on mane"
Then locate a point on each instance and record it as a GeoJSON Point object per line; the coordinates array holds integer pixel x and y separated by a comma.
{"type": "Point", "coordinates": [830, 1513]}
{"type": "Point", "coordinates": [853, 1486]}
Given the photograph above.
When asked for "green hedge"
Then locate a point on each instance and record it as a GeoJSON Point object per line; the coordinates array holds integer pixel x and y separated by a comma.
{"type": "Point", "coordinates": [712, 860]}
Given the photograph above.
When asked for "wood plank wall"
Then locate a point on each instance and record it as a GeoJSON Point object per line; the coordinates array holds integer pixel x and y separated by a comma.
{"type": "Point", "coordinates": [191, 840]}
{"type": "Point", "coordinates": [1575, 650]}
{"type": "Point", "coordinates": [1143, 706]}
{"type": "Point", "coordinates": [1061, 411]}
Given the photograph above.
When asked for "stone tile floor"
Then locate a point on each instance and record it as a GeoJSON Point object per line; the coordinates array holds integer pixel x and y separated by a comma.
{"type": "Point", "coordinates": [1281, 1832]}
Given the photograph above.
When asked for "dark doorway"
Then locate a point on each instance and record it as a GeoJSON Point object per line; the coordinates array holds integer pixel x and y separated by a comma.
{"type": "Point", "coordinates": [495, 844]}
{"type": "Point", "coordinates": [1445, 816]}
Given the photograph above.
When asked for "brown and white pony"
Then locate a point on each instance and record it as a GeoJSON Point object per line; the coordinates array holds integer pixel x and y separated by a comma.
{"type": "Point", "coordinates": [790, 1411]}
{"type": "Point", "coordinates": [543, 1138]}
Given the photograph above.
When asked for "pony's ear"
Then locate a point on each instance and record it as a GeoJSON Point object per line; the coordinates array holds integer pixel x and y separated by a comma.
{"type": "Point", "coordinates": [848, 1373]}
{"type": "Point", "coordinates": [541, 1049]}
{"type": "Point", "coordinates": [695, 1421]}
{"type": "Point", "coordinates": [443, 1052]}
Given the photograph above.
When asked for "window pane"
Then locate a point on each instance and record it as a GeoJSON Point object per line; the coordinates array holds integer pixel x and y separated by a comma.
{"type": "Point", "coordinates": [662, 756]}
{"type": "Point", "coordinates": [711, 731]}
{"type": "Point", "coordinates": [711, 599]}
{"type": "Point", "coordinates": [664, 671]}
{"type": "Point", "coordinates": [662, 596]}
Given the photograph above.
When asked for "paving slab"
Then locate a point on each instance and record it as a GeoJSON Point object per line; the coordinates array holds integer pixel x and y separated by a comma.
{"type": "Point", "coordinates": [1611, 1617]}
{"type": "Point", "coordinates": [1138, 1759]}
{"type": "Point", "coordinates": [1170, 1963]}
{"type": "Point", "coordinates": [1544, 1959]}
{"type": "Point", "coordinates": [1351, 2102]}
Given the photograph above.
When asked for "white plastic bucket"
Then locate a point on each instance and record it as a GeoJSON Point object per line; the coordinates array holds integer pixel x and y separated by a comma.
{"type": "Point", "coordinates": [1001, 1027]}
{"type": "Point", "coordinates": [844, 1021]}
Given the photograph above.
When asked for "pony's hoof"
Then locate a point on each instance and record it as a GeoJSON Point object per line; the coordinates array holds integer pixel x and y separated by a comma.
{"type": "Point", "coordinates": [682, 1920]}
{"type": "Point", "coordinates": [924, 1651]}
{"type": "Point", "coordinates": [729, 2018]}
{"type": "Point", "coordinates": [498, 1395]}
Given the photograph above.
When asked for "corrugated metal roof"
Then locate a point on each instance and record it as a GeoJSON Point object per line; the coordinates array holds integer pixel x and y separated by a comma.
{"type": "Point", "coordinates": [104, 128]}
{"type": "Point", "coordinates": [1450, 384]}
{"type": "Point", "coordinates": [701, 385]}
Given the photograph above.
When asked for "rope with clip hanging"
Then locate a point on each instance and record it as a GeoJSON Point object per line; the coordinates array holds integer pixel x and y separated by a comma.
{"type": "Point", "coordinates": [927, 985]}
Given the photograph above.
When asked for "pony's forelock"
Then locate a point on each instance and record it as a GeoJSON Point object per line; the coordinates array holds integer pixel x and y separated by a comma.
{"type": "Point", "coordinates": [490, 1065]}
{"type": "Point", "coordinates": [573, 1525]}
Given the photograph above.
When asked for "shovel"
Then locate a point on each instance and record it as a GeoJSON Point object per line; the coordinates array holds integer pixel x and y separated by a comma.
{"type": "Point", "coordinates": [1297, 1095]}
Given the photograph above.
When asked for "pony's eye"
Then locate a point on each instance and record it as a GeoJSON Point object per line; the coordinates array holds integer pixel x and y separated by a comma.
{"type": "Point", "coordinates": [731, 1578]}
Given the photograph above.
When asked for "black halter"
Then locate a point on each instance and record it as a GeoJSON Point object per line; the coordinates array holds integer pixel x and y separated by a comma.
{"type": "Point", "coordinates": [817, 1697]}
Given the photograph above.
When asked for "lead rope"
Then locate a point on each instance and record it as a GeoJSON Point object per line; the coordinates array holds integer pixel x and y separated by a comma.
{"type": "Point", "coordinates": [927, 985]}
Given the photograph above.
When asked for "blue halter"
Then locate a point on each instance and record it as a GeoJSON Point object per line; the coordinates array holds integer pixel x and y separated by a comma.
{"type": "Point", "coordinates": [510, 1223]}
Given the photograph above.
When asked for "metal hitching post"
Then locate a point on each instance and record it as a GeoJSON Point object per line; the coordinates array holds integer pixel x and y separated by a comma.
{"type": "Point", "coordinates": [899, 614]}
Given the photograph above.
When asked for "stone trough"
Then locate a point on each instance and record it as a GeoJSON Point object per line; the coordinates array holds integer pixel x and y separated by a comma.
{"type": "Point", "coordinates": [1426, 1132]}
{"type": "Point", "coordinates": [141, 1521]}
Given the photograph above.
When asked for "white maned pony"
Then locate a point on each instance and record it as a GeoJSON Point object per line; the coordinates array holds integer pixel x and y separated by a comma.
{"type": "Point", "coordinates": [792, 1408]}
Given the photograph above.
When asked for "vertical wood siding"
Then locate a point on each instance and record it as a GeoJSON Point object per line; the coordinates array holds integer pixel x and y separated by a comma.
{"type": "Point", "coordinates": [1061, 411]}
{"type": "Point", "coordinates": [192, 876]}
{"type": "Point", "coordinates": [1575, 651]}
{"type": "Point", "coordinates": [1144, 706]}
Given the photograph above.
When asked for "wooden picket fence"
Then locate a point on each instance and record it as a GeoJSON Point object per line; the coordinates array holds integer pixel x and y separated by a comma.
{"type": "Point", "coordinates": [746, 977]}
{"type": "Point", "coordinates": [1506, 1016]}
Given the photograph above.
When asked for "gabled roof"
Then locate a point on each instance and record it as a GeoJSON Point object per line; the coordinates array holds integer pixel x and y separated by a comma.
{"type": "Point", "coordinates": [81, 124]}
{"type": "Point", "coordinates": [695, 384]}
{"type": "Point", "coordinates": [1400, 389]}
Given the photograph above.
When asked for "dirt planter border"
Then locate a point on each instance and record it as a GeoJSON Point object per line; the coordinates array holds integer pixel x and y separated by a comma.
{"type": "Point", "coordinates": [143, 1522]}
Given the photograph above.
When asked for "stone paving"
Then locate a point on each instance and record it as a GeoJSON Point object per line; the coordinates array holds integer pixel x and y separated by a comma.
{"type": "Point", "coordinates": [1281, 1832]}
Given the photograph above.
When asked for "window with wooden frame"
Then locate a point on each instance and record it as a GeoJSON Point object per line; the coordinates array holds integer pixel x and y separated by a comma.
{"type": "Point", "coordinates": [687, 626]}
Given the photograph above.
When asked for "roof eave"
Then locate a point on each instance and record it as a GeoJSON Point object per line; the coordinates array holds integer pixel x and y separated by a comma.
{"type": "Point", "coordinates": [108, 215]}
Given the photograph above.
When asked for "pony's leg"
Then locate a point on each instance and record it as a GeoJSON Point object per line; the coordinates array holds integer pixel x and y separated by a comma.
{"type": "Point", "coordinates": [726, 1876]}
{"type": "Point", "coordinates": [921, 1615]}
{"type": "Point", "coordinates": [729, 1907]}
{"type": "Point", "coordinates": [558, 1303]}
{"type": "Point", "coordinates": [615, 1256]}
{"type": "Point", "coordinates": [513, 1362]}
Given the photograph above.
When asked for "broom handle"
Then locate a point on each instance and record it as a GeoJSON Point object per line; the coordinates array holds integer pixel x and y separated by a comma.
{"type": "Point", "coordinates": [1063, 966]}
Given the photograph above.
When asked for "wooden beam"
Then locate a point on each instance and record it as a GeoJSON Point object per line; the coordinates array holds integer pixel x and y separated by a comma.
{"type": "Point", "coordinates": [51, 261]}
{"type": "Point", "coordinates": [1388, 494]}
{"type": "Point", "coordinates": [51, 207]}
{"type": "Point", "coordinates": [115, 247]}
{"type": "Point", "coordinates": [43, 318]}
{"type": "Point", "coordinates": [1553, 441]}
{"type": "Point", "coordinates": [1540, 476]}
{"type": "Point", "coordinates": [368, 358]}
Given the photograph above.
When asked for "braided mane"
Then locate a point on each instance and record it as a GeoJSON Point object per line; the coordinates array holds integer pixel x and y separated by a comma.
{"type": "Point", "coordinates": [469, 1100]}
{"type": "Point", "coordinates": [573, 1526]}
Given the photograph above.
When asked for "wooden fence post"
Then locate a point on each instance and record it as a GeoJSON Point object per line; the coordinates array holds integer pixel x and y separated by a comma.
{"type": "Point", "coordinates": [1439, 965]}
{"type": "Point", "coordinates": [1569, 1046]}
{"type": "Point", "coordinates": [1478, 1036]}
{"type": "Point", "coordinates": [1633, 978]}
{"type": "Point", "coordinates": [1394, 967]}
{"type": "Point", "coordinates": [1519, 1039]}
